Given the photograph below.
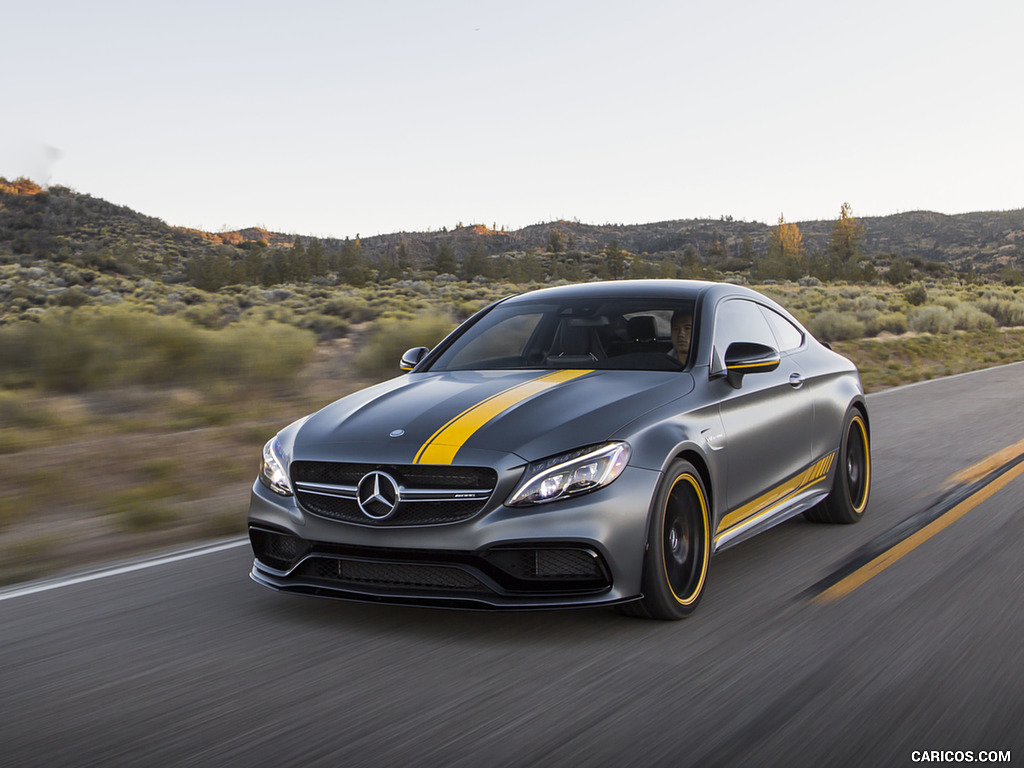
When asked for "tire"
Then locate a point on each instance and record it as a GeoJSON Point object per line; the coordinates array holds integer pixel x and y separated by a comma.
{"type": "Point", "coordinates": [678, 547]}
{"type": "Point", "coordinates": [851, 486]}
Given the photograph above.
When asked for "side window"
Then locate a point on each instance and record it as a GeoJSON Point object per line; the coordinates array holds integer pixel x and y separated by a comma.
{"type": "Point", "coordinates": [788, 336]}
{"type": "Point", "coordinates": [740, 320]}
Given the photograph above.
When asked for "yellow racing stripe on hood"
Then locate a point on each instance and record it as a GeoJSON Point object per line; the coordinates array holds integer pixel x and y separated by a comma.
{"type": "Point", "coordinates": [446, 442]}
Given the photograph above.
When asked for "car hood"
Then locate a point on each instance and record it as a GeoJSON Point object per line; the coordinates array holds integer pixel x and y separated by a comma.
{"type": "Point", "coordinates": [450, 417]}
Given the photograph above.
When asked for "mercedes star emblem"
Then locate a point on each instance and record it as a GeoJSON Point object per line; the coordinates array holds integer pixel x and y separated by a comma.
{"type": "Point", "coordinates": [378, 495]}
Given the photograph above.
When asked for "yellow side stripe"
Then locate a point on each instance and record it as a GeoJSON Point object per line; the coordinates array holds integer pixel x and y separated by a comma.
{"type": "Point", "coordinates": [767, 502]}
{"type": "Point", "coordinates": [446, 442]}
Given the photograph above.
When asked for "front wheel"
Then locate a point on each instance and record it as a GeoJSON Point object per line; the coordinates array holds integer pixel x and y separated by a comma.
{"type": "Point", "coordinates": [678, 547]}
{"type": "Point", "coordinates": [852, 483]}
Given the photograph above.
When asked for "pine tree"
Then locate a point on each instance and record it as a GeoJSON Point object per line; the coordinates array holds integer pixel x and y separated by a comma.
{"type": "Point", "coordinates": [315, 255]}
{"type": "Point", "coordinates": [847, 235]}
{"type": "Point", "coordinates": [614, 260]}
{"type": "Point", "coordinates": [785, 241]}
{"type": "Point", "coordinates": [444, 260]}
{"type": "Point", "coordinates": [476, 263]}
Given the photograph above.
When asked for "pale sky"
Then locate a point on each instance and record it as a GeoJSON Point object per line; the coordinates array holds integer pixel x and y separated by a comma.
{"type": "Point", "coordinates": [372, 117]}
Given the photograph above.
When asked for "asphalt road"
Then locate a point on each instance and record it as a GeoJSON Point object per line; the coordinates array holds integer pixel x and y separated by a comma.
{"type": "Point", "coordinates": [190, 663]}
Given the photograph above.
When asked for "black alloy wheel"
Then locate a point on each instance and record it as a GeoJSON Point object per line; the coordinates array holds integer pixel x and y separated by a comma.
{"type": "Point", "coordinates": [851, 485]}
{"type": "Point", "coordinates": [679, 547]}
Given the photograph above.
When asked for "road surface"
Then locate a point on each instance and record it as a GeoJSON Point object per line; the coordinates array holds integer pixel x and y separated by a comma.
{"type": "Point", "coordinates": [185, 661]}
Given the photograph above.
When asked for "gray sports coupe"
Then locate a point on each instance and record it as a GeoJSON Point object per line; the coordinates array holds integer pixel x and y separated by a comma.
{"type": "Point", "coordinates": [573, 446]}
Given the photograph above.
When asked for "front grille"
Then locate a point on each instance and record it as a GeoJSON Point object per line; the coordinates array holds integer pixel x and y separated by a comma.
{"type": "Point", "coordinates": [409, 513]}
{"type": "Point", "coordinates": [388, 575]}
{"type": "Point", "coordinates": [414, 475]}
{"type": "Point", "coordinates": [429, 495]}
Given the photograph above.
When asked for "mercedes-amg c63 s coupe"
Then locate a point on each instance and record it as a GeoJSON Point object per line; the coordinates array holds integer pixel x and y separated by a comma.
{"type": "Point", "coordinates": [573, 446]}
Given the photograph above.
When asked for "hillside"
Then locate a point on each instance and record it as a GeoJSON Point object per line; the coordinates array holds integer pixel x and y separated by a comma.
{"type": "Point", "coordinates": [49, 228]}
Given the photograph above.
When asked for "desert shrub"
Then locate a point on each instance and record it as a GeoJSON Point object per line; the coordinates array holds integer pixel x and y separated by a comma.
{"type": "Point", "coordinates": [267, 353]}
{"type": "Point", "coordinates": [836, 326]}
{"type": "Point", "coordinates": [915, 295]}
{"type": "Point", "coordinates": [967, 317]}
{"type": "Point", "coordinates": [893, 322]}
{"type": "Point", "coordinates": [208, 315]}
{"type": "Point", "coordinates": [93, 348]}
{"type": "Point", "coordinates": [141, 509]}
{"type": "Point", "coordinates": [931, 319]}
{"type": "Point", "coordinates": [869, 318]}
{"type": "Point", "coordinates": [326, 326]}
{"type": "Point", "coordinates": [1006, 312]}
{"type": "Point", "coordinates": [868, 303]}
{"type": "Point", "coordinates": [351, 308]}
{"type": "Point", "coordinates": [73, 297]}
{"type": "Point", "coordinates": [391, 337]}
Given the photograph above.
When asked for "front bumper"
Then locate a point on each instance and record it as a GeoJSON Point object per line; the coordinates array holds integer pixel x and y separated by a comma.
{"type": "Point", "coordinates": [587, 550]}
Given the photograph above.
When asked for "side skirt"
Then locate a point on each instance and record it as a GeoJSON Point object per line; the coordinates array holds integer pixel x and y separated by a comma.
{"type": "Point", "coordinates": [790, 498]}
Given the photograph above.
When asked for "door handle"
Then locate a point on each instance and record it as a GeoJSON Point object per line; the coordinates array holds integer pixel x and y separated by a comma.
{"type": "Point", "coordinates": [796, 380]}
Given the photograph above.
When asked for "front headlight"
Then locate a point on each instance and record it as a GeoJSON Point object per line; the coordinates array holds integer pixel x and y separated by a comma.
{"type": "Point", "coordinates": [273, 473]}
{"type": "Point", "coordinates": [570, 474]}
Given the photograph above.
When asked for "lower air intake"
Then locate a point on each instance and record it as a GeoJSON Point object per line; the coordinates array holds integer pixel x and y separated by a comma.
{"type": "Point", "coordinates": [358, 573]}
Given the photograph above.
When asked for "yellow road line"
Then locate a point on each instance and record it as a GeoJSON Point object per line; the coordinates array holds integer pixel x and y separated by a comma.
{"type": "Point", "coordinates": [977, 471]}
{"type": "Point", "coordinates": [890, 556]}
{"type": "Point", "coordinates": [446, 442]}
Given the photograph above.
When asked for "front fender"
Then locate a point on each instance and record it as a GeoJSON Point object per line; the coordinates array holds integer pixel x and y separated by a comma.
{"type": "Point", "coordinates": [697, 436]}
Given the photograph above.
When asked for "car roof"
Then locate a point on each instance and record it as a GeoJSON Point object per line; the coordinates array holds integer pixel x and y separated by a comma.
{"type": "Point", "coordinates": [613, 289]}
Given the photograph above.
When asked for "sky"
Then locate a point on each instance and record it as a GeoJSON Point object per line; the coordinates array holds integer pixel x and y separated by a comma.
{"type": "Point", "coordinates": [351, 117]}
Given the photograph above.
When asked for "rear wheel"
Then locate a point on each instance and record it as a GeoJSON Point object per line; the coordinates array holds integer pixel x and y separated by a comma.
{"type": "Point", "coordinates": [678, 547]}
{"type": "Point", "coordinates": [851, 485]}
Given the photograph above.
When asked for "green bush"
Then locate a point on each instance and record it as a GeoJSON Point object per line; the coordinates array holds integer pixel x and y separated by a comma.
{"type": "Point", "coordinates": [915, 295]}
{"type": "Point", "coordinates": [1006, 312]}
{"type": "Point", "coordinates": [967, 317]}
{"type": "Point", "coordinates": [141, 509]}
{"type": "Point", "coordinates": [351, 308]}
{"type": "Point", "coordinates": [893, 322]}
{"type": "Point", "coordinates": [391, 337]}
{"type": "Point", "coordinates": [836, 326]}
{"type": "Point", "coordinates": [73, 297]}
{"type": "Point", "coordinates": [98, 347]}
{"type": "Point", "coordinates": [326, 326]}
{"type": "Point", "coordinates": [931, 319]}
{"type": "Point", "coordinates": [876, 322]}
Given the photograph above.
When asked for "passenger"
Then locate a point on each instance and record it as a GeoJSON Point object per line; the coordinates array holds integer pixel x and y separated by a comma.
{"type": "Point", "coordinates": [682, 328]}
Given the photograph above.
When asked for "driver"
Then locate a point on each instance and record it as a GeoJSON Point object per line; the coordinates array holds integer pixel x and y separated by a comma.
{"type": "Point", "coordinates": [682, 328]}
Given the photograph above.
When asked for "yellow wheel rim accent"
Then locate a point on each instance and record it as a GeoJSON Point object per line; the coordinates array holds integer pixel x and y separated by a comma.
{"type": "Point", "coordinates": [859, 505]}
{"type": "Point", "coordinates": [706, 537]}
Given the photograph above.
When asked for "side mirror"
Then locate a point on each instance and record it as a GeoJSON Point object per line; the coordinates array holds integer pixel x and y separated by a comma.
{"type": "Point", "coordinates": [743, 357]}
{"type": "Point", "coordinates": [412, 357]}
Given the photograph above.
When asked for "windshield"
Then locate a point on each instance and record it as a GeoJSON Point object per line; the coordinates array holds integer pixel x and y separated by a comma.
{"type": "Point", "coordinates": [625, 334]}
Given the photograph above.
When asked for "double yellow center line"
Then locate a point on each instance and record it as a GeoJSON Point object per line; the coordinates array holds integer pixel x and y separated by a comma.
{"type": "Point", "coordinates": [983, 480]}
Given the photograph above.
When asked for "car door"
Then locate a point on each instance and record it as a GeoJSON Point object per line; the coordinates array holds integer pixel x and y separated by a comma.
{"type": "Point", "coordinates": [768, 420]}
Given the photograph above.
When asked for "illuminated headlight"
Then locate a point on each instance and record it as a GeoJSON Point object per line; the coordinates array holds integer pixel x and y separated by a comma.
{"type": "Point", "coordinates": [571, 474]}
{"type": "Point", "coordinates": [272, 470]}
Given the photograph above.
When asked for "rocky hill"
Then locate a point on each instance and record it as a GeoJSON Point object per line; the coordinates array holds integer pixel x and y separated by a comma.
{"type": "Point", "coordinates": [60, 225]}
